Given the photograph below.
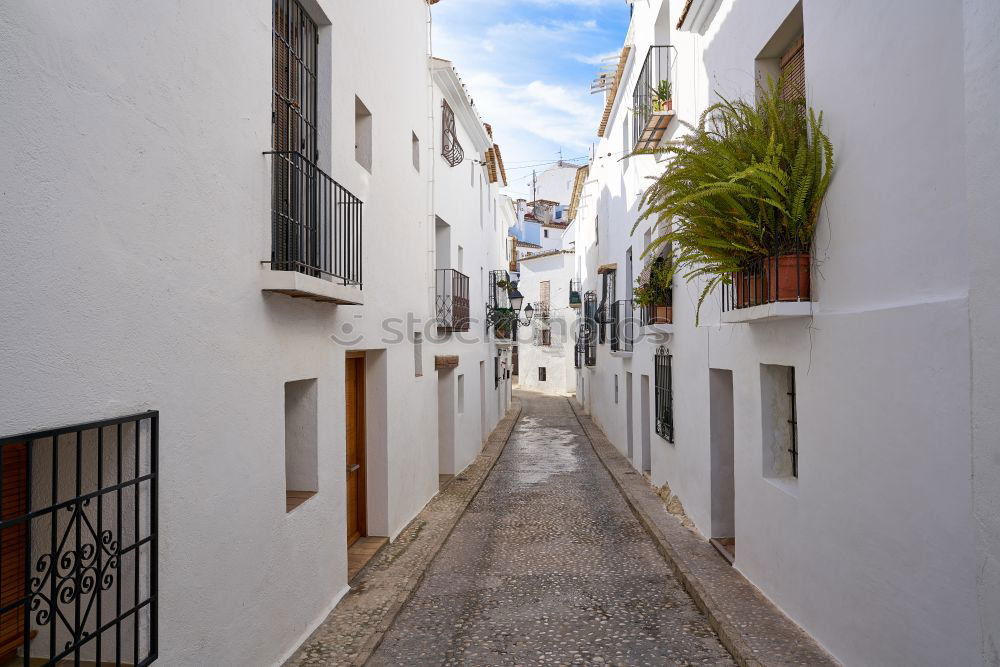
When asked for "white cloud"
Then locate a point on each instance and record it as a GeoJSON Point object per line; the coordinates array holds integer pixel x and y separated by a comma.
{"type": "Point", "coordinates": [597, 59]}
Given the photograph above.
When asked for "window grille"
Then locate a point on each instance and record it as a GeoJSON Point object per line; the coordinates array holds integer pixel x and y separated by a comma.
{"type": "Point", "coordinates": [451, 150]}
{"type": "Point", "coordinates": [664, 395]}
{"type": "Point", "coordinates": [79, 534]}
{"type": "Point", "coordinates": [793, 424]}
{"type": "Point", "coordinates": [590, 329]}
{"type": "Point", "coordinates": [607, 299]}
{"type": "Point", "coordinates": [622, 326]}
{"type": "Point", "coordinates": [541, 373]}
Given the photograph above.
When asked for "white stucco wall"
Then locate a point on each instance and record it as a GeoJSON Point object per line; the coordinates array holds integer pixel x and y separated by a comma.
{"type": "Point", "coordinates": [883, 373]}
{"type": "Point", "coordinates": [557, 358]}
{"type": "Point", "coordinates": [136, 216]}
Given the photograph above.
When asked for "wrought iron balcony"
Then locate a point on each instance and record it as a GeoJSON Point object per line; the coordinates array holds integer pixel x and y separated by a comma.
{"type": "Point", "coordinates": [542, 310]}
{"type": "Point", "coordinates": [770, 280]}
{"type": "Point", "coordinates": [452, 300]}
{"type": "Point", "coordinates": [652, 112]}
{"type": "Point", "coordinates": [661, 312]}
{"type": "Point", "coordinates": [590, 329]}
{"type": "Point", "coordinates": [80, 543]}
{"type": "Point", "coordinates": [499, 302]}
{"type": "Point", "coordinates": [574, 294]}
{"type": "Point", "coordinates": [622, 326]}
{"type": "Point", "coordinates": [315, 222]}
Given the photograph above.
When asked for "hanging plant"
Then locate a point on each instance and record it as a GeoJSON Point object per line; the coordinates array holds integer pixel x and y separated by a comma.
{"type": "Point", "coordinates": [745, 186]}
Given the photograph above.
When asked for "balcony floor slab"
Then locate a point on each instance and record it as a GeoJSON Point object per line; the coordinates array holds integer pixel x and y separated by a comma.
{"type": "Point", "coordinates": [778, 310]}
{"type": "Point", "coordinates": [300, 286]}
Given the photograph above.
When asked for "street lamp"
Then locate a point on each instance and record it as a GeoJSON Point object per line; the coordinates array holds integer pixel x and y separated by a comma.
{"type": "Point", "coordinates": [510, 315]}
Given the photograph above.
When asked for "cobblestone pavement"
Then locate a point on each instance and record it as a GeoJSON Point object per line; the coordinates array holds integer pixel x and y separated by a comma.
{"type": "Point", "coordinates": [549, 566]}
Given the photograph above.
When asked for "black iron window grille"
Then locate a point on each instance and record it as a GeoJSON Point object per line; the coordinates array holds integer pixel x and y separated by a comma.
{"type": "Point", "coordinates": [574, 293]}
{"type": "Point", "coordinates": [505, 326]}
{"type": "Point", "coordinates": [664, 395]}
{"type": "Point", "coordinates": [452, 300]}
{"type": "Point", "coordinates": [651, 110]}
{"type": "Point", "coordinates": [79, 534]}
{"type": "Point", "coordinates": [782, 277]}
{"type": "Point", "coordinates": [579, 346]}
{"type": "Point", "coordinates": [622, 326]}
{"type": "Point", "coordinates": [451, 150]}
{"type": "Point", "coordinates": [590, 329]}
{"type": "Point", "coordinates": [315, 222]}
{"type": "Point", "coordinates": [607, 299]}
{"type": "Point", "coordinates": [793, 424]}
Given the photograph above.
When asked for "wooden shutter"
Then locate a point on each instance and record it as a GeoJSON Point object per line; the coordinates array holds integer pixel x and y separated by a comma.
{"type": "Point", "coordinates": [793, 69]}
{"type": "Point", "coordinates": [13, 503]}
{"type": "Point", "coordinates": [544, 292]}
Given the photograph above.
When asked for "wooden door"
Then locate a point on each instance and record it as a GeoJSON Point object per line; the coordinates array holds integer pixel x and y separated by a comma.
{"type": "Point", "coordinates": [355, 402]}
{"type": "Point", "coordinates": [13, 503]}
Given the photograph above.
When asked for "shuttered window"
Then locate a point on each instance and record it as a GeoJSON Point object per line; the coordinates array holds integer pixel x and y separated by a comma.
{"type": "Point", "coordinates": [793, 69]}
{"type": "Point", "coordinates": [13, 504]}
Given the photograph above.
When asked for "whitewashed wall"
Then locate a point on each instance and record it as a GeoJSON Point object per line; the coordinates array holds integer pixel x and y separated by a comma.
{"type": "Point", "coordinates": [873, 549]}
{"type": "Point", "coordinates": [557, 358]}
{"type": "Point", "coordinates": [136, 214]}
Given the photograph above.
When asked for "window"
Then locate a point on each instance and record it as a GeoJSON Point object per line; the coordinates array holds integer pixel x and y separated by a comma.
{"type": "Point", "coordinates": [780, 421]}
{"type": "Point", "coordinates": [451, 150]}
{"type": "Point", "coordinates": [597, 230]}
{"type": "Point", "coordinates": [589, 333]}
{"type": "Point", "coordinates": [793, 69]}
{"type": "Point", "coordinates": [545, 232]}
{"type": "Point", "coordinates": [362, 134]}
{"type": "Point", "coordinates": [461, 258]}
{"type": "Point", "coordinates": [301, 463]}
{"type": "Point", "coordinates": [418, 354]}
{"type": "Point", "coordinates": [294, 81]}
{"type": "Point", "coordinates": [547, 337]}
{"type": "Point", "coordinates": [616, 388]}
{"type": "Point", "coordinates": [416, 151]}
{"type": "Point", "coordinates": [664, 395]}
{"type": "Point", "coordinates": [460, 390]}
{"type": "Point", "coordinates": [607, 301]}
{"type": "Point", "coordinates": [541, 373]}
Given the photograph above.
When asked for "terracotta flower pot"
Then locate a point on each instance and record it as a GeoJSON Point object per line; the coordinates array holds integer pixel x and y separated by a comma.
{"type": "Point", "coordinates": [748, 289]}
{"type": "Point", "coordinates": [670, 104]}
{"type": "Point", "coordinates": [788, 277]}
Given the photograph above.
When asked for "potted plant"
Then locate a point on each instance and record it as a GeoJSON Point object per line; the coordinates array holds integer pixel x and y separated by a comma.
{"type": "Point", "coordinates": [653, 294]}
{"type": "Point", "coordinates": [741, 195]}
{"type": "Point", "coordinates": [663, 96]}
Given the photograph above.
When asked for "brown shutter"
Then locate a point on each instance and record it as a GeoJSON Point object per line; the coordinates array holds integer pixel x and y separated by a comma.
{"type": "Point", "coordinates": [13, 503]}
{"type": "Point", "coordinates": [793, 69]}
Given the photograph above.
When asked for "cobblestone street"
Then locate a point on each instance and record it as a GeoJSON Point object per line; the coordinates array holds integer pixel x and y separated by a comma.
{"type": "Point", "coordinates": [549, 566]}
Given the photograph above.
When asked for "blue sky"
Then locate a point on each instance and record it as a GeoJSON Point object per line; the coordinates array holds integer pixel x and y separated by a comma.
{"type": "Point", "coordinates": [528, 65]}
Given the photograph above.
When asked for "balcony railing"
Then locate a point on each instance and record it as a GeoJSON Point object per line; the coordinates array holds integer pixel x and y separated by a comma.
{"type": "Point", "coordinates": [574, 294]}
{"type": "Point", "coordinates": [452, 300]}
{"type": "Point", "coordinates": [80, 543]}
{"type": "Point", "coordinates": [661, 312]}
{"type": "Point", "coordinates": [590, 328]}
{"type": "Point", "coordinates": [543, 310]}
{"type": "Point", "coordinates": [652, 114]}
{"type": "Point", "coordinates": [622, 326]}
{"type": "Point", "coordinates": [770, 280]}
{"type": "Point", "coordinates": [499, 300]}
{"type": "Point", "coordinates": [315, 222]}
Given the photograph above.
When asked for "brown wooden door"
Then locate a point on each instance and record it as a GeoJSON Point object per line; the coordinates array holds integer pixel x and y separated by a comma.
{"type": "Point", "coordinates": [355, 401]}
{"type": "Point", "coordinates": [13, 503]}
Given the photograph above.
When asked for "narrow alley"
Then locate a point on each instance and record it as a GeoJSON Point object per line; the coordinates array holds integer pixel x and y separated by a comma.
{"type": "Point", "coordinates": [549, 566]}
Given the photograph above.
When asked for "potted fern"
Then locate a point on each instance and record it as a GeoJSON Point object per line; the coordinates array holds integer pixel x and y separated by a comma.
{"type": "Point", "coordinates": [663, 96]}
{"type": "Point", "coordinates": [653, 294]}
{"type": "Point", "coordinates": [740, 197]}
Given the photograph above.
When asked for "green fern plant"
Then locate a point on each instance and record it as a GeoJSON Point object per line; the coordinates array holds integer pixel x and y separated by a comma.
{"type": "Point", "coordinates": [747, 183]}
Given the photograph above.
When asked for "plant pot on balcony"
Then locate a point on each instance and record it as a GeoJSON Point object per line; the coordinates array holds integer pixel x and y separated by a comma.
{"type": "Point", "coordinates": [661, 315]}
{"type": "Point", "coordinates": [747, 289]}
{"type": "Point", "coordinates": [788, 277]}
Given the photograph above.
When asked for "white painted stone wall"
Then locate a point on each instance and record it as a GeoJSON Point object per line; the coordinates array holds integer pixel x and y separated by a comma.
{"type": "Point", "coordinates": [881, 549]}
{"type": "Point", "coordinates": [557, 358]}
{"type": "Point", "coordinates": [136, 215]}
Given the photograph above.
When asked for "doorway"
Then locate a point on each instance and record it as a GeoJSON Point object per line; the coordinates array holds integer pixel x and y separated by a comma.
{"type": "Point", "coordinates": [482, 400]}
{"type": "Point", "coordinates": [723, 481]}
{"type": "Point", "coordinates": [446, 426]}
{"type": "Point", "coordinates": [647, 462]}
{"type": "Point", "coordinates": [13, 504]}
{"type": "Point", "coordinates": [628, 412]}
{"type": "Point", "coordinates": [354, 398]}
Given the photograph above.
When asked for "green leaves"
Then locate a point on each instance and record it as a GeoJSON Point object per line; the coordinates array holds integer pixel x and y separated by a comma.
{"type": "Point", "coordinates": [747, 183]}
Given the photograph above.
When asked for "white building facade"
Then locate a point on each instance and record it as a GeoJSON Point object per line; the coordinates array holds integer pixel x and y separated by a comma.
{"type": "Point", "coordinates": [221, 300]}
{"type": "Point", "coordinates": [879, 534]}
